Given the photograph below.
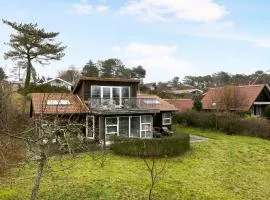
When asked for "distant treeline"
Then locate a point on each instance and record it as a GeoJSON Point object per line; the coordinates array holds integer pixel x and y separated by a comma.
{"type": "Point", "coordinates": [224, 78]}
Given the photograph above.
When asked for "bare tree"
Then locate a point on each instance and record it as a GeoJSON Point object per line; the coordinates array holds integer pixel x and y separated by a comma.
{"type": "Point", "coordinates": [155, 165]}
{"type": "Point", "coordinates": [42, 135]}
{"type": "Point", "coordinates": [71, 75]}
{"type": "Point", "coordinates": [227, 98]}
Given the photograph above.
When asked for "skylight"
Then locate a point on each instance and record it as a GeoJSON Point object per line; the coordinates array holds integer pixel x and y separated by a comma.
{"type": "Point", "coordinates": [61, 102]}
{"type": "Point", "coordinates": [151, 101]}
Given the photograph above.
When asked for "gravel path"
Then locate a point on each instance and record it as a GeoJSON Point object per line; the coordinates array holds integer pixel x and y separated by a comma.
{"type": "Point", "coordinates": [195, 138]}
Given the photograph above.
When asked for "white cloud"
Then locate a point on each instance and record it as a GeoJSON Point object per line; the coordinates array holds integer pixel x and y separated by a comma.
{"type": "Point", "coordinates": [160, 61]}
{"type": "Point", "coordinates": [226, 31]}
{"type": "Point", "coordinates": [85, 8]}
{"type": "Point", "coordinates": [192, 10]}
{"type": "Point", "coordinates": [82, 8]}
{"type": "Point", "coordinates": [102, 8]}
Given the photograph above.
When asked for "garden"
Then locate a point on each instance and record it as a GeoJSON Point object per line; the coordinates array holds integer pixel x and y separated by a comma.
{"type": "Point", "coordinates": [223, 167]}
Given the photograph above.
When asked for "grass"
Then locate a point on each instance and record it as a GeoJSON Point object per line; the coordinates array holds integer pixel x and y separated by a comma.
{"type": "Point", "coordinates": [225, 167]}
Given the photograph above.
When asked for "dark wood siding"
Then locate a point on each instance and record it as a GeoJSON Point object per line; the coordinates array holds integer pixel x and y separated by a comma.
{"type": "Point", "coordinates": [157, 120]}
{"type": "Point", "coordinates": [264, 96]}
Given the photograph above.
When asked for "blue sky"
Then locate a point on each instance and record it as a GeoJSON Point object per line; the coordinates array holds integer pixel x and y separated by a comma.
{"type": "Point", "coordinates": [168, 37]}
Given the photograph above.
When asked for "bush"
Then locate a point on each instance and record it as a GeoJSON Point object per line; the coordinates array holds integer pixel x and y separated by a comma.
{"type": "Point", "coordinates": [197, 104]}
{"type": "Point", "coordinates": [44, 88]}
{"type": "Point", "coordinates": [229, 123]}
{"type": "Point", "coordinates": [155, 147]}
{"type": "Point", "coordinates": [267, 111]}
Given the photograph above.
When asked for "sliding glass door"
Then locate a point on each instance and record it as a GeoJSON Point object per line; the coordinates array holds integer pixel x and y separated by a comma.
{"type": "Point", "coordinates": [116, 95]}
{"type": "Point", "coordinates": [135, 126]}
{"type": "Point", "coordinates": [124, 126]}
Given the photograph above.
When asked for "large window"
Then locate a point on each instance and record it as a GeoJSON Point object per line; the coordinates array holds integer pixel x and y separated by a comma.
{"type": "Point", "coordinates": [110, 94]}
{"type": "Point", "coordinates": [166, 118]}
{"type": "Point", "coordinates": [129, 126]}
{"type": "Point", "coordinates": [96, 92]}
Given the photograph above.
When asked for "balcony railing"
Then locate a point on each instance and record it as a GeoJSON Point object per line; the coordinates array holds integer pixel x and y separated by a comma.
{"type": "Point", "coordinates": [122, 103]}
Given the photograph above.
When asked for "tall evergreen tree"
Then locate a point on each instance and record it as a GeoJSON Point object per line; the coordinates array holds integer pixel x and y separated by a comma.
{"type": "Point", "coordinates": [90, 69]}
{"type": "Point", "coordinates": [32, 44]}
{"type": "Point", "coordinates": [111, 68]}
{"type": "Point", "coordinates": [138, 72]}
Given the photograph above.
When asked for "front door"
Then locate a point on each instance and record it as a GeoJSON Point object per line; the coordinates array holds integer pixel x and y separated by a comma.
{"type": "Point", "coordinates": [90, 127]}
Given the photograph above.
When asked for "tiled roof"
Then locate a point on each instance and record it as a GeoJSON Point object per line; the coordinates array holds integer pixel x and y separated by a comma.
{"type": "Point", "coordinates": [181, 104]}
{"type": "Point", "coordinates": [162, 105]}
{"type": "Point", "coordinates": [40, 105]}
{"type": "Point", "coordinates": [241, 97]}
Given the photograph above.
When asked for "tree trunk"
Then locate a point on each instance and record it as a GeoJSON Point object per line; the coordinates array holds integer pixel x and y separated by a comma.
{"type": "Point", "coordinates": [28, 73]}
{"type": "Point", "coordinates": [39, 174]}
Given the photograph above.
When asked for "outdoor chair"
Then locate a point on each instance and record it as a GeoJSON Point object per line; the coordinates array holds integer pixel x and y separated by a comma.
{"type": "Point", "coordinates": [166, 131]}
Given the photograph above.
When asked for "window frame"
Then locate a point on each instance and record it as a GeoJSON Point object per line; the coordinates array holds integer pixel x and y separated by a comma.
{"type": "Point", "coordinates": [145, 123]}
{"type": "Point", "coordinates": [166, 118]}
{"type": "Point", "coordinates": [90, 117]}
{"type": "Point", "coordinates": [111, 92]}
{"type": "Point", "coordinates": [112, 125]}
{"type": "Point", "coordinates": [150, 123]}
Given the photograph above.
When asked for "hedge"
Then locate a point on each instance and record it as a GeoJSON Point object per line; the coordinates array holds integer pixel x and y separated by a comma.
{"type": "Point", "coordinates": [43, 88]}
{"type": "Point", "coordinates": [155, 147]}
{"type": "Point", "coordinates": [230, 123]}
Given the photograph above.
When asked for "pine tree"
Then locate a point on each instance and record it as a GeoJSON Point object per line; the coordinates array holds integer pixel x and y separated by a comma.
{"type": "Point", "coordinates": [90, 69]}
{"type": "Point", "coordinates": [32, 44]}
{"type": "Point", "coordinates": [2, 74]}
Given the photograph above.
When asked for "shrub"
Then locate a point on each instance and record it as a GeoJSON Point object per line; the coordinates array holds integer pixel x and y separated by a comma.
{"type": "Point", "coordinates": [44, 88]}
{"type": "Point", "coordinates": [267, 111]}
{"type": "Point", "coordinates": [197, 104]}
{"type": "Point", "coordinates": [230, 123]}
{"type": "Point", "coordinates": [155, 147]}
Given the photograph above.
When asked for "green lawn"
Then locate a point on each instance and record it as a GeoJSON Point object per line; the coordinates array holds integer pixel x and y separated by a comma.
{"type": "Point", "coordinates": [225, 167]}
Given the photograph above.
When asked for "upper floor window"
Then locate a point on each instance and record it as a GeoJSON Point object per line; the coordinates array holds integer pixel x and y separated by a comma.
{"type": "Point", "coordinates": [110, 92]}
{"type": "Point", "coordinates": [96, 92]}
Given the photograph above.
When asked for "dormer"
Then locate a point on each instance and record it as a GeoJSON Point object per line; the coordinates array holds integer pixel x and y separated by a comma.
{"type": "Point", "coordinates": [105, 88]}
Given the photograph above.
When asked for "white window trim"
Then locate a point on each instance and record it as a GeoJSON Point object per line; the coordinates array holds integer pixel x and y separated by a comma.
{"type": "Point", "coordinates": [111, 91]}
{"type": "Point", "coordinates": [113, 125]}
{"type": "Point", "coordinates": [146, 123]}
{"type": "Point", "coordinates": [129, 129]}
{"type": "Point", "coordinates": [166, 118]}
{"type": "Point", "coordinates": [93, 119]}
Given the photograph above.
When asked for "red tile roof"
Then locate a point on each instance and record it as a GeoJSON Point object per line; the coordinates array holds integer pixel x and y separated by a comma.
{"type": "Point", "coordinates": [40, 105]}
{"type": "Point", "coordinates": [240, 97]}
{"type": "Point", "coordinates": [162, 105]}
{"type": "Point", "coordinates": [181, 104]}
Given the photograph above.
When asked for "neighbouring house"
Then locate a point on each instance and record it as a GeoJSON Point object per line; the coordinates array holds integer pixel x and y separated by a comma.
{"type": "Point", "coordinates": [150, 86]}
{"type": "Point", "coordinates": [59, 83]}
{"type": "Point", "coordinates": [181, 104]}
{"type": "Point", "coordinates": [186, 91]}
{"type": "Point", "coordinates": [251, 98]}
{"type": "Point", "coordinates": [108, 106]}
